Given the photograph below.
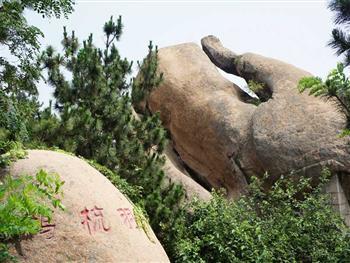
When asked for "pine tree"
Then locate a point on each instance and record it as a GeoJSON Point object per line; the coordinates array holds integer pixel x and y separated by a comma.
{"type": "Point", "coordinates": [95, 117]}
{"type": "Point", "coordinates": [341, 39]}
{"type": "Point", "coordinates": [147, 79]}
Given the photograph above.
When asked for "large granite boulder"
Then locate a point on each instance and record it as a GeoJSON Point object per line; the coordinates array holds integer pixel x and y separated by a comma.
{"type": "Point", "coordinates": [223, 138]}
{"type": "Point", "coordinates": [291, 131]}
{"type": "Point", "coordinates": [98, 224]}
{"type": "Point", "coordinates": [197, 105]}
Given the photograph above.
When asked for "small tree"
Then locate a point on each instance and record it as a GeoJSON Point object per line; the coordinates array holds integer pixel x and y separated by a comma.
{"type": "Point", "coordinates": [148, 78]}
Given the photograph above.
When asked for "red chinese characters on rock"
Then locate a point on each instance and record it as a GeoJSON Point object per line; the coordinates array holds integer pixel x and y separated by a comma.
{"type": "Point", "coordinates": [128, 217]}
{"type": "Point", "coordinates": [93, 220]}
{"type": "Point", "coordinates": [47, 228]}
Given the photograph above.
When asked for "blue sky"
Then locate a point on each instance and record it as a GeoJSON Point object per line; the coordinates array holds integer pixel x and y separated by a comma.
{"type": "Point", "coordinates": [293, 31]}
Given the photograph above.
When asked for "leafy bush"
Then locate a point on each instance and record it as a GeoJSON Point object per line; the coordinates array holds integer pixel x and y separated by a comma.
{"type": "Point", "coordinates": [280, 225]}
{"type": "Point", "coordinates": [10, 151]}
{"type": "Point", "coordinates": [23, 201]}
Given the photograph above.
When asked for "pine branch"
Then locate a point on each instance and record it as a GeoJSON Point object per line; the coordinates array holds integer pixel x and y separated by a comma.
{"type": "Point", "coordinates": [341, 9]}
{"type": "Point", "coordinates": [340, 41]}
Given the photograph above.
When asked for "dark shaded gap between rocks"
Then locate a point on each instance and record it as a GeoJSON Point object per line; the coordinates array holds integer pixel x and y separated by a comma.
{"type": "Point", "coordinates": [193, 174]}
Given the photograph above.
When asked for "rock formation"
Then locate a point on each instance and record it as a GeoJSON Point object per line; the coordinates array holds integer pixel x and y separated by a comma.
{"type": "Point", "coordinates": [175, 172]}
{"type": "Point", "coordinates": [98, 224]}
{"type": "Point", "coordinates": [223, 139]}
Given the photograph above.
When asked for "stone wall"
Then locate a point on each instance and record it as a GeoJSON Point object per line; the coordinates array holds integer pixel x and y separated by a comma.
{"type": "Point", "coordinates": [339, 200]}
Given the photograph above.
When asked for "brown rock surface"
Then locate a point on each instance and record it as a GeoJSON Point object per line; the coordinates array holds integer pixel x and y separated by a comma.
{"type": "Point", "coordinates": [196, 103]}
{"type": "Point", "coordinates": [291, 131]}
{"type": "Point", "coordinates": [226, 140]}
{"type": "Point", "coordinates": [175, 172]}
{"type": "Point", "coordinates": [113, 235]}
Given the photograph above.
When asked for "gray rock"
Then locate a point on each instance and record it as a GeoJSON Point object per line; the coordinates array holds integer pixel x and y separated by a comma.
{"type": "Point", "coordinates": [222, 57]}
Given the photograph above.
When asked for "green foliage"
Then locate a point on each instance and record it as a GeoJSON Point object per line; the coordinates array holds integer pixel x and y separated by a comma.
{"type": "Point", "coordinates": [256, 86]}
{"type": "Point", "coordinates": [344, 133]}
{"type": "Point", "coordinates": [148, 78]}
{"type": "Point", "coordinates": [42, 127]}
{"type": "Point", "coordinates": [261, 90]}
{"type": "Point", "coordinates": [15, 116]}
{"type": "Point", "coordinates": [18, 91]}
{"type": "Point", "coordinates": [48, 8]}
{"type": "Point", "coordinates": [21, 40]}
{"type": "Point", "coordinates": [23, 201]}
{"type": "Point", "coordinates": [336, 86]}
{"type": "Point", "coordinates": [11, 125]}
{"type": "Point", "coordinates": [10, 151]}
{"type": "Point", "coordinates": [315, 84]}
{"type": "Point", "coordinates": [278, 225]}
{"type": "Point", "coordinates": [5, 255]}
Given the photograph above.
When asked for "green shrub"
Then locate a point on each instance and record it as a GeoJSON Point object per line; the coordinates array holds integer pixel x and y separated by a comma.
{"type": "Point", "coordinates": [23, 201]}
{"type": "Point", "coordinates": [280, 225]}
{"type": "Point", "coordinates": [10, 151]}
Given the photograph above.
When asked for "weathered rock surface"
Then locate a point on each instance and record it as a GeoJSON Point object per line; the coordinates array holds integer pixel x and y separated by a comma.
{"type": "Point", "coordinates": [291, 131]}
{"type": "Point", "coordinates": [226, 140]}
{"type": "Point", "coordinates": [175, 172]}
{"type": "Point", "coordinates": [98, 224]}
{"type": "Point", "coordinates": [196, 104]}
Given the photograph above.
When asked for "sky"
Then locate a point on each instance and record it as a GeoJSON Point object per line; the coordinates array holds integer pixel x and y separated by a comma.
{"type": "Point", "coordinates": [294, 31]}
